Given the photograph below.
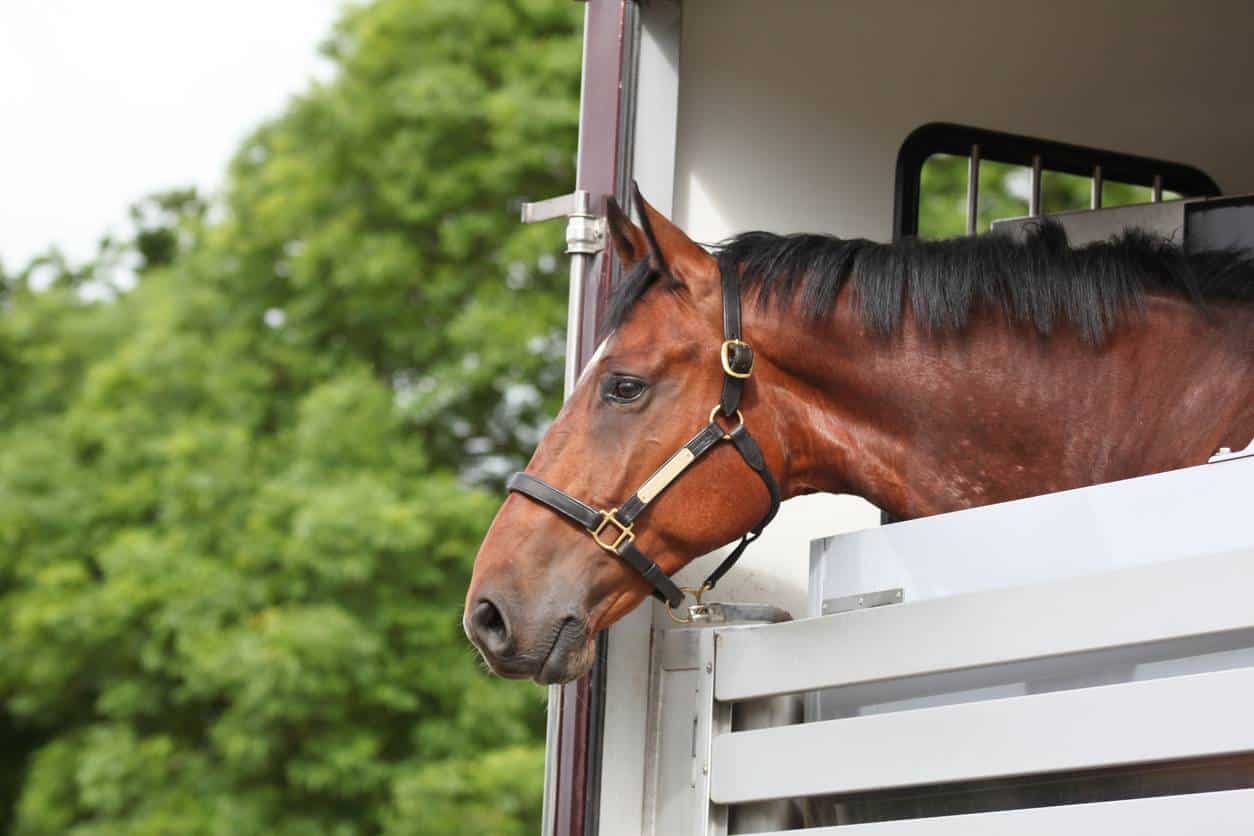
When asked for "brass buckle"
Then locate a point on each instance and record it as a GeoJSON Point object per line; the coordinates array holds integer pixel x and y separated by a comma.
{"type": "Point", "coordinates": [724, 355]}
{"type": "Point", "coordinates": [625, 534]}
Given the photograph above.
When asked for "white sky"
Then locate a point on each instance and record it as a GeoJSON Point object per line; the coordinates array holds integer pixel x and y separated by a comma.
{"type": "Point", "coordinates": [104, 101]}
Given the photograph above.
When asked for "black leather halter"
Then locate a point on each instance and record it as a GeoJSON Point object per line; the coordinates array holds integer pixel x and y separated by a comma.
{"type": "Point", "coordinates": [613, 529]}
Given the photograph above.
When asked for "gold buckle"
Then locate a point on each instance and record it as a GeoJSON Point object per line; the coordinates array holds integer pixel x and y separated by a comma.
{"type": "Point", "coordinates": [625, 534]}
{"type": "Point", "coordinates": [724, 354]}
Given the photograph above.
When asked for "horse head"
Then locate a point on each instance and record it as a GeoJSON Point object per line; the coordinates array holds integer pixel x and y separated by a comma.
{"type": "Point", "coordinates": [620, 493]}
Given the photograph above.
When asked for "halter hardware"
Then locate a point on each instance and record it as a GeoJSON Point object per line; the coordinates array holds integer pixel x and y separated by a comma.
{"type": "Point", "coordinates": [731, 355]}
{"type": "Point", "coordinates": [614, 530]}
{"type": "Point", "coordinates": [739, 417]}
{"type": "Point", "coordinates": [625, 533]}
{"type": "Point", "coordinates": [695, 611]}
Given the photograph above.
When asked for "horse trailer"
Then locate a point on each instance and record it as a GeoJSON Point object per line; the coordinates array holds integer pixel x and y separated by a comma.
{"type": "Point", "coordinates": [1081, 660]}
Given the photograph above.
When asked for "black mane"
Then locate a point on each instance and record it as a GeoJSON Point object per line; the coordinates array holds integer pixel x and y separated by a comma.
{"type": "Point", "coordinates": [1040, 280]}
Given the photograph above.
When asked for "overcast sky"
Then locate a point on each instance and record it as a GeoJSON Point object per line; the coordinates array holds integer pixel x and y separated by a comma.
{"type": "Point", "coordinates": [104, 101]}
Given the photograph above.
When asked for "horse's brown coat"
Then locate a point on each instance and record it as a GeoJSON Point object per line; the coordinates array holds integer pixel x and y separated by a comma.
{"type": "Point", "coordinates": [916, 422]}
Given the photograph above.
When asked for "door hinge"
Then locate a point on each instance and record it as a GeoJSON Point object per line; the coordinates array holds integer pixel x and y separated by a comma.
{"type": "Point", "coordinates": [585, 232]}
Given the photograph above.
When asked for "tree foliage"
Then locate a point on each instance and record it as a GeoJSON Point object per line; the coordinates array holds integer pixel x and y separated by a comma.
{"type": "Point", "coordinates": [240, 495]}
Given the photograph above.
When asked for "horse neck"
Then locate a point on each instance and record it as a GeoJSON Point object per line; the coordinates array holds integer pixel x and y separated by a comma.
{"type": "Point", "coordinates": [921, 423]}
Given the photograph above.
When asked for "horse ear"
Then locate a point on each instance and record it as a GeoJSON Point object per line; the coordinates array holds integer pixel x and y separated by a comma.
{"type": "Point", "coordinates": [629, 240]}
{"type": "Point", "coordinates": [673, 253]}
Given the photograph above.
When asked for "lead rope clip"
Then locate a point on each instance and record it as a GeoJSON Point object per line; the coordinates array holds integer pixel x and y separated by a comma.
{"type": "Point", "coordinates": [696, 611]}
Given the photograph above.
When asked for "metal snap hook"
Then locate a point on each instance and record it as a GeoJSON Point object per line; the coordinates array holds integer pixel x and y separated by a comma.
{"type": "Point", "coordinates": [694, 610]}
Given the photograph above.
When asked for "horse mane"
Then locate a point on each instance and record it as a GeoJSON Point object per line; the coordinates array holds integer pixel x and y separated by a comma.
{"type": "Point", "coordinates": [1039, 280]}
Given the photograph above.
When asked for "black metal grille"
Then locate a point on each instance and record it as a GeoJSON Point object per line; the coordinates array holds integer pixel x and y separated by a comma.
{"type": "Point", "coordinates": [979, 144]}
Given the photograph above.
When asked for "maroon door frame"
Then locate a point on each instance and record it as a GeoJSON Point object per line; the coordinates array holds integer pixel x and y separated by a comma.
{"type": "Point", "coordinates": [602, 170]}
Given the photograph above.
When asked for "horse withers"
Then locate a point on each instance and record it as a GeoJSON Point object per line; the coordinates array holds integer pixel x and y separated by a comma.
{"type": "Point", "coordinates": [923, 376]}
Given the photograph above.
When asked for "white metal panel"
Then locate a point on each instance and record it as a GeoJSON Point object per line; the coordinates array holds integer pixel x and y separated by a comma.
{"type": "Point", "coordinates": [1213, 813]}
{"type": "Point", "coordinates": [1165, 516]}
{"type": "Point", "coordinates": [682, 723]}
{"type": "Point", "coordinates": [1132, 723]}
{"type": "Point", "coordinates": [657, 103]}
{"type": "Point", "coordinates": [1192, 598]}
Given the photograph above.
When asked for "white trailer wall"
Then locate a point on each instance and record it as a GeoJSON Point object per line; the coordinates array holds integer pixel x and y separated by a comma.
{"type": "Point", "coordinates": [791, 113]}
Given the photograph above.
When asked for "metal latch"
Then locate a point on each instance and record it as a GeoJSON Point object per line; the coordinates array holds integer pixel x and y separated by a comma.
{"type": "Point", "coordinates": [863, 601]}
{"type": "Point", "coordinates": [717, 612]}
{"type": "Point", "coordinates": [585, 232]}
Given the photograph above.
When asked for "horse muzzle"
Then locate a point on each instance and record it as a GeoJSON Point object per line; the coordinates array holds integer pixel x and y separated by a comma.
{"type": "Point", "coordinates": [552, 650]}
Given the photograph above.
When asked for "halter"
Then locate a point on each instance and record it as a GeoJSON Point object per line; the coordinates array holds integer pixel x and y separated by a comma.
{"type": "Point", "coordinates": [613, 530]}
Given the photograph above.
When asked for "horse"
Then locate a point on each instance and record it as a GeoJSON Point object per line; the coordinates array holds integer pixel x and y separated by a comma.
{"type": "Point", "coordinates": [923, 376]}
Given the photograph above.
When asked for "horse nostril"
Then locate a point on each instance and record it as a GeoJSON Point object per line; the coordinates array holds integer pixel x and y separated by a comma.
{"type": "Point", "coordinates": [490, 627]}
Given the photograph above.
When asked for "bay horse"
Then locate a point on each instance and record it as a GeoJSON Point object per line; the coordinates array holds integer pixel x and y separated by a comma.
{"type": "Point", "coordinates": [923, 376]}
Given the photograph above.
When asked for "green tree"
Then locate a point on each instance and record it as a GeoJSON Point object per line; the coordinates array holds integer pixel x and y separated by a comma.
{"type": "Point", "coordinates": [246, 457]}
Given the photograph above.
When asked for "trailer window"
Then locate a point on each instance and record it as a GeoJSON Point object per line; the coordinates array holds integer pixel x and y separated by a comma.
{"type": "Point", "coordinates": [943, 195]}
{"type": "Point", "coordinates": [1019, 176]}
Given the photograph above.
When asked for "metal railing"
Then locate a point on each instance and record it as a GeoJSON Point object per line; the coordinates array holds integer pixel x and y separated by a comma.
{"type": "Point", "coordinates": [1150, 666]}
{"type": "Point", "coordinates": [1164, 612]}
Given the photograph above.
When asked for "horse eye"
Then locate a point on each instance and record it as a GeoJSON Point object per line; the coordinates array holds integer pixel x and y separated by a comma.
{"type": "Point", "coordinates": [623, 389]}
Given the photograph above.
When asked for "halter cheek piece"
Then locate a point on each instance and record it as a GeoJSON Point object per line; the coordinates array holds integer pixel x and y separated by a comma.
{"type": "Point", "coordinates": [613, 530]}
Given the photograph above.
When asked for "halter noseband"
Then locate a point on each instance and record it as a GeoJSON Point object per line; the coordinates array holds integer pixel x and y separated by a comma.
{"type": "Point", "coordinates": [613, 529]}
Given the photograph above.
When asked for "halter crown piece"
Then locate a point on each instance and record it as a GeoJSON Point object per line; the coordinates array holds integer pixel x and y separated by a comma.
{"type": "Point", "coordinates": [613, 530]}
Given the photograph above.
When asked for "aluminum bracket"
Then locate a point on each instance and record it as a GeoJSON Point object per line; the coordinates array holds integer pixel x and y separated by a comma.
{"type": "Point", "coordinates": [863, 600]}
{"type": "Point", "coordinates": [585, 232]}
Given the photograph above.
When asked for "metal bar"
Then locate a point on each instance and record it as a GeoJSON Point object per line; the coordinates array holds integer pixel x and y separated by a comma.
{"type": "Point", "coordinates": [574, 321]}
{"type": "Point", "coordinates": [1089, 728]}
{"type": "Point", "coordinates": [1084, 226]}
{"type": "Point", "coordinates": [1095, 191]}
{"type": "Point", "coordinates": [572, 768]}
{"type": "Point", "coordinates": [721, 724]}
{"type": "Point", "coordinates": [863, 600]}
{"type": "Point", "coordinates": [1226, 813]}
{"type": "Point", "coordinates": [973, 189]}
{"type": "Point", "coordinates": [764, 714]}
{"type": "Point", "coordinates": [1034, 196]}
{"type": "Point", "coordinates": [683, 720]}
{"type": "Point", "coordinates": [1157, 193]}
{"type": "Point", "coordinates": [1207, 598]}
{"type": "Point", "coordinates": [545, 210]}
